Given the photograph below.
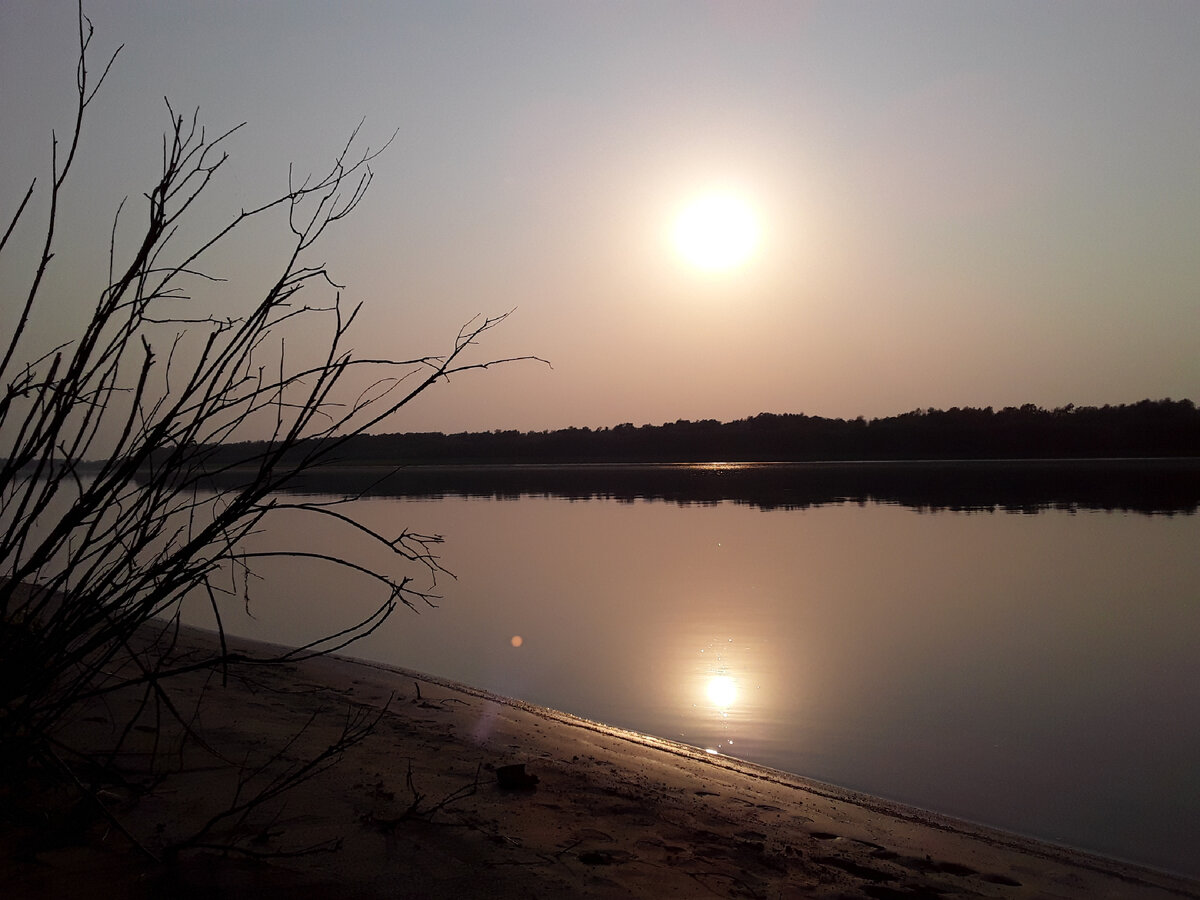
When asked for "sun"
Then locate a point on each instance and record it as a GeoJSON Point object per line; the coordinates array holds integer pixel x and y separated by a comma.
{"type": "Point", "coordinates": [716, 232]}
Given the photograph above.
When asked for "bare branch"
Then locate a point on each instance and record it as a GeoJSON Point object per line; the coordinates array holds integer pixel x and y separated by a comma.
{"type": "Point", "coordinates": [109, 516]}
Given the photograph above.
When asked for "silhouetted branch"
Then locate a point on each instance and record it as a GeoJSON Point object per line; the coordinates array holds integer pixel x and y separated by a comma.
{"type": "Point", "coordinates": [110, 520]}
{"type": "Point", "coordinates": [261, 784]}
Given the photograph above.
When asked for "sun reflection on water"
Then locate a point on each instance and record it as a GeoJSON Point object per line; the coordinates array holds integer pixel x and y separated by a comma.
{"type": "Point", "coordinates": [722, 690]}
{"type": "Point", "coordinates": [718, 466]}
{"type": "Point", "coordinates": [725, 694]}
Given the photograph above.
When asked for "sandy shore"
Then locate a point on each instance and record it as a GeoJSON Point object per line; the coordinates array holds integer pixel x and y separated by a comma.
{"type": "Point", "coordinates": [416, 810]}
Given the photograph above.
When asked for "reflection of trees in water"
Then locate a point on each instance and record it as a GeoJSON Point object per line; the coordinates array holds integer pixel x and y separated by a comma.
{"type": "Point", "coordinates": [1146, 486]}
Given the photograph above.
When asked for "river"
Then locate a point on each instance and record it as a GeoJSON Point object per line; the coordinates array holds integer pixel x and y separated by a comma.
{"type": "Point", "coordinates": [1033, 668]}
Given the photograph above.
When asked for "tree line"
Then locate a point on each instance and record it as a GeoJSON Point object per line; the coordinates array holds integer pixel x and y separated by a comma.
{"type": "Point", "coordinates": [1148, 428]}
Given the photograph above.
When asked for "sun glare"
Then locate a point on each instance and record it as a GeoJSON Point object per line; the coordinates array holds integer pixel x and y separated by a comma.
{"type": "Point", "coordinates": [722, 691]}
{"type": "Point", "coordinates": [716, 232]}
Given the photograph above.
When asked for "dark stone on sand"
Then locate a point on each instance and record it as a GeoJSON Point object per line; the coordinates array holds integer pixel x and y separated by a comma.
{"type": "Point", "coordinates": [515, 778]}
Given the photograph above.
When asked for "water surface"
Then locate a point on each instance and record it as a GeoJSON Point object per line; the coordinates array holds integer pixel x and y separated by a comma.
{"type": "Point", "coordinates": [1034, 672]}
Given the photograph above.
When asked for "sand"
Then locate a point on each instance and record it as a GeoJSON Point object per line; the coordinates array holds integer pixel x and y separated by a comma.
{"type": "Point", "coordinates": [416, 809]}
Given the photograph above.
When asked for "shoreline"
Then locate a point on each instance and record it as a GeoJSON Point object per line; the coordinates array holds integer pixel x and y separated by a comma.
{"type": "Point", "coordinates": [1144, 485]}
{"type": "Point", "coordinates": [417, 809]}
{"type": "Point", "coordinates": [750, 769]}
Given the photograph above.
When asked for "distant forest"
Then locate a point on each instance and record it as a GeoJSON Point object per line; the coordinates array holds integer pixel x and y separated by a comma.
{"type": "Point", "coordinates": [1149, 428]}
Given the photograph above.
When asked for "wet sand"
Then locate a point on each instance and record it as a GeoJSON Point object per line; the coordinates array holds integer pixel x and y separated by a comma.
{"type": "Point", "coordinates": [418, 809]}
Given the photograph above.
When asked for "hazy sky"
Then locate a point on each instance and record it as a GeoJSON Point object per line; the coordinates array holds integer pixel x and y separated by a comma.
{"type": "Point", "coordinates": [960, 203]}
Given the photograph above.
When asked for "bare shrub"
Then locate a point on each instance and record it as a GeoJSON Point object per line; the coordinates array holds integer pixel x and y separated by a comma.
{"type": "Point", "coordinates": [109, 513]}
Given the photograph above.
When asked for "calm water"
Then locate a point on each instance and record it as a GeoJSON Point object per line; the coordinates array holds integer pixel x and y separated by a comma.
{"type": "Point", "coordinates": [1035, 672]}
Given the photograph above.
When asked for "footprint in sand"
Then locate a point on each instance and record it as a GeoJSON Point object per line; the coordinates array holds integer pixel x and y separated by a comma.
{"type": "Point", "coordinates": [1001, 879]}
{"type": "Point", "coordinates": [604, 857]}
{"type": "Point", "coordinates": [592, 835]}
{"type": "Point", "coordinates": [750, 835]}
{"type": "Point", "coordinates": [857, 870]}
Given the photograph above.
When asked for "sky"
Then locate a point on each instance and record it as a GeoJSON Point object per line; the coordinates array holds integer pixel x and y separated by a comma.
{"type": "Point", "coordinates": [956, 204]}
